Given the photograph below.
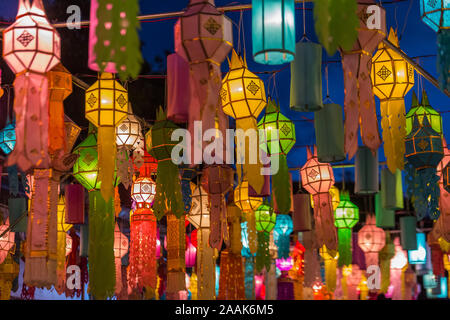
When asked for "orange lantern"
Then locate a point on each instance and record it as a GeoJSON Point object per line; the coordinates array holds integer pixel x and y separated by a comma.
{"type": "Point", "coordinates": [317, 179]}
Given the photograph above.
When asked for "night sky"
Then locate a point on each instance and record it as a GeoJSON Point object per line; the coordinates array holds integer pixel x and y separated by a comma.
{"type": "Point", "coordinates": [416, 39]}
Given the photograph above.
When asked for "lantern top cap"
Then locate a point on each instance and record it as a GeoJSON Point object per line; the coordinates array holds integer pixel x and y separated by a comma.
{"type": "Point", "coordinates": [393, 37]}
{"type": "Point", "coordinates": [237, 62]}
{"type": "Point", "coordinates": [107, 76]}
{"type": "Point", "coordinates": [37, 8]}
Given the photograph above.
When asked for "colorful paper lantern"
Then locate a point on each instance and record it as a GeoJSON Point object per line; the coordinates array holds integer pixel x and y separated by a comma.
{"type": "Point", "coordinates": [366, 171]}
{"type": "Point", "coordinates": [159, 145]}
{"type": "Point", "coordinates": [371, 240]}
{"type": "Point", "coordinates": [424, 109]}
{"type": "Point", "coordinates": [191, 254]}
{"type": "Point", "coordinates": [391, 193]}
{"type": "Point", "coordinates": [273, 31]}
{"type": "Point", "coordinates": [385, 218]}
{"type": "Point", "coordinates": [317, 179]}
{"type": "Point", "coordinates": [62, 229]}
{"type": "Point", "coordinates": [330, 258]}
{"type": "Point", "coordinates": [408, 232]}
{"type": "Point", "coordinates": [129, 131]}
{"type": "Point", "coordinates": [306, 78]}
{"type": "Point", "coordinates": [6, 241]}
{"type": "Point", "coordinates": [179, 100]}
{"type": "Point", "coordinates": [329, 130]}
{"type": "Point", "coordinates": [346, 216]}
{"type": "Point", "coordinates": [283, 228]}
{"type": "Point", "coordinates": [148, 167]}
{"type": "Point", "coordinates": [265, 219]}
{"type": "Point", "coordinates": [436, 15]}
{"type": "Point", "coordinates": [418, 256]}
{"type": "Point", "coordinates": [8, 137]}
{"type": "Point", "coordinates": [143, 191]}
{"type": "Point", "coordinates": [120, 250]}
{"type": "Point", "coordinates": [399, 264]}
{"type": "Point", "coordinates": [243, 98]}
{"type": "Point", "coordinates": [301, 216]}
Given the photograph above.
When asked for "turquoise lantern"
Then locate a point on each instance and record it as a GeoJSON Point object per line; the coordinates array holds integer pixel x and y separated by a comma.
{"type": "Point", "coordinates": [419, 256]}
{"type": "Point", "coordinates": [436, 14]}
{"type": "Point", "coordinates": [273, 31]}
{"type": "Point", "coordinates": [249, 265]}
{"type": "Point", "coordinates": [283, 228]}
{"type": "Point", "coordinates": [8, 137]}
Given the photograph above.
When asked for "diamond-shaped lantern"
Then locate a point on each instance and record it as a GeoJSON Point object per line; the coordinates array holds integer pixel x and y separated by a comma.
{"type": "Point", "coordinates": [265, 218]}
{"type": "Point", "coordinates": [128, 131]}
{"type": "Point", "coordinates": [199, 214]}
{"type": "Point", "coordinates": [143, 191]}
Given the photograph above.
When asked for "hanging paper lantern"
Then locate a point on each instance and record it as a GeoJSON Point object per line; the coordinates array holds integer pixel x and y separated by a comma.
{"type": "Point", "coordinates": [283, 228]}
{"type": "Point", "coordinates": [384, 257]}
{"type": "Point", "coordinates": [191, 254]}
{"type": "Point", "coordinates": [285, 285]}
{"type": "Point", "coordinates": [424, 151]}
{"type": "Point", "coordinates": [6, 241]}
{"type": "Point", "coordinates": [301, 216]}
{"type": "Point", "coordinates": [9, 270]}
{"type": "Point", "coordinates": [418, 256]}
{"type": "Point", "coordinates": [277, 140]}
{"type": "Point", "coordinates": [424, 109]}
{"type": "Point", "coordinates": [391, 193]}
{"type": "Point", "coordinates": [317, 179]}
{"type": "Point", "coordinates": [329, 130]}
{"type": "Point", "coordinates": [217, 180]}
{"type": "Point", "coordinates": [408, 232]}
{"type": "Point", "coordinates": [366, 171]}
{"type": "Point", "coordinates": [159, 145]}
{"type": "Point", "coordinates": [359, 104]}
{"type": "Point", "coordinates": [114, 24]}
{"type": "Point", "coordinates": [129, 131]}
{"type": "Point", "coordinates": [436, 15]}
{"type": "Point", "coordinates": [62, 229]}
{"type": "Point", "coordinates": [273, 31]}
{"type": "Point", "coordinates": [243, 98]}
{"type": "Point", "coordinates": [106, 107]}
{"type": "Point", "coordinates": [330, 258]}
{"type": "Point", "coordinates": [199, 216]}
{"type": "Point", "coordinates": [120, 250]}
{"type": "Point", "coordinates": [399, 264]}
{"type": "Point", "coordinates": [346, 216]}
{"type": "Point", "coordinates": [8, 137]}
{"type": "Point", "coordinates": [371, 240]}
{"type": "Point", "coordinates": [143, 191]}
{"type": "Point", "coordinates": [385, 218]}
{"type": "Point", "coordinates": [392, 78]}
{"type": "Point", "coordinates": [265, 219]}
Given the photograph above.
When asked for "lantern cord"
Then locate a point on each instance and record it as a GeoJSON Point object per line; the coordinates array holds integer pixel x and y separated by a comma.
{"type": "Point", "coordinates": [343, 179]}
{"type": "Point", "coordinates": [239, 31]}
{"type": "Point", "coordinates": [327, 99]}
{"type": "Point", "coordinates": [304, 37]}
{"type": "Point", "coordinates": [406, 20]}
{"type": "Point", "coordinates": [8, 105]}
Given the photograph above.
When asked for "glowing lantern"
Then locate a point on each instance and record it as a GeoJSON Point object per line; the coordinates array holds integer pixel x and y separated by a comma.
{"type": "Point", "coordinates": [436, 15]}
{"type": "Point", "coordinates": [120, 250]}
{"type": "Point", "coordinates": [359, 104]}
{"type": "Point", "coordinates": [329, 130]}
{"type": "Point", "coordinates": [129, 131]}
{"type": "Point", "coordinates": [317, 179]}
{"type": "Point", "coordinates": [159, 145]}
{"type": "Point", "coordinates": [273, 31]}
{"type": "Point", "coordinates": [243, 98]}
{"type": "Point", "coordinates": [330, 258]}
{"type": "Point", "coordinates": [284, 264]}
{"type": "Point", "coordinates": [285, 285]}
{"type": "Point", "coordinates": [424, 151]}
{"type": "Point", "coordinates": [392, 78]}
{"type": "Point", "coordinates": [6, 241]}
{"type": "Point", "coordinates": [62, 229]}
{"type": "Point", "coordinates": [371, 240]}
{"type": "Point", "coordinates": [283, 228]}
{"type": "Point", "coordinates": [143, 191]}
{"type": "Point", "coordinates": [265, 219]}
{"type": "Point", "coordinates": [191, 254]}
{"type": "Point", "coordinates": [199, 216]}
{"type": "Point", "coordinates": [106, 107]}
{"type": "Point", "coordinates": [149, 166]}
{"type": "Point", "coordinates": [418, 256]}
{"type": "Point", "coordinates": [424, 109]}
{"type": "Point", "coordinates": [278, 139]}
{"type": "Point", "coordinates": [8, 137]}
{"type": "Point", "coordinates": [346, 216]}
{"type": "Point", "coordinates": [366, 171]}
{"type": "Point", "coordinates": [399, 264]}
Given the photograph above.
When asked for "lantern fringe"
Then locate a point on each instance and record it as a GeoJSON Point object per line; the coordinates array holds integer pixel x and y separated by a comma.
{"type": "Point", "coordinates": [393, 122]}
{"type": "Point", "coordinates": [168, 190]}
{"type": "Point", "coordinates": [263, 259]}
{"type": "Point", "coordinates": [344, 246]}
{"type": "Point", "coordinates": [101, 247]}
{"type": "Point", "coordinates": [106, 160]}
{"type": "Point", "coordinates": [251, 229]}
{"type": "Point", "coordinates": [281, 186]}
{"type": "Point", "coordinates": [283, 246]}
{"type": "Point", "coordinates": [443, 59]}
{"type": "Point", "coordinates": [249, 278]}
{"type": "Point", "coordinates": [124, 167]}
{"type": "Point", "coordinates": [205, 267]}
{"type": "Point", "coordinates": [231, 278]}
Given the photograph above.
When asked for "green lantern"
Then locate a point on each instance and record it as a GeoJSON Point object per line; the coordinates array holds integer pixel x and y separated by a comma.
{"type": "Point", "coordinates": [391, 194]}
{"type": "Point", "coordinates": [424, 109]}
{"type": "Point", "coordinates": [273, 31]}
{"type": "Point", "coordinates": [346, 216]}
{"type": "Point", "coordinates": [408, 233]}
{"type": "Point", "coordinates": [384, 218]}
{"type": "Point", "coordinates": [277, 140]}
{"type": "Point", "coordinates": [265, 218]}
{"type": "Point", "coordinates": [329, 128]}
{"type": "Point", "coordinates": [366, 171]}
{"type": "Point", "coordinates": [168, 185]}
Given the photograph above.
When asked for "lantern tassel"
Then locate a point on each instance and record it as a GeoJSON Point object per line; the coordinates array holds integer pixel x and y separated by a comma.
{"type": "Point", "coordinates": [263, 258]}
{"type": "Point", "coordinates": [443, 61]}
{"type": "Point", "coordinates": [168, 190]}
{"type": "Point", "coordinates": [124, 167]}
{"type": "Point", "coordinates": [231, 282]}
{"type": "Point", "coordinates": [330, 274]}
{"type": "Point", "coordinates": [345, 246]}
{"type": "Point", "coordinates": [218, 219]}
{"type": "Point", "coordinates": [252, 237]}
{"type": "Point", "coordinates": [393, 123]}
{"type": "Point", "coordinates": [101, 246]}
{"type": "Point", "coordinates": [176, 248]}
{"type": "Point", "coordinates": [106, 160]}
{"type": "Point", "coordinates": [205, 267]}
{"type": "Point", "coordinates": [281, 186]}
{"type": "Point", "coordinates": [323, 216]}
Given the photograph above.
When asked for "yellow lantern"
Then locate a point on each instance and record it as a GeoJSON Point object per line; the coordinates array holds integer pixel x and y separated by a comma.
{"type": "Point", "coordinates": [392, 77]}
{"type": "Point", "coordinates": [62, 229]}
{"type": "Point", "coordinates": [106, 107]}
{"type": "Point", "coordinates": [330, 258]}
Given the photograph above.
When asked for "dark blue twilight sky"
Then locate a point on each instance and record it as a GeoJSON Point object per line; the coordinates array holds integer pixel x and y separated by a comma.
{"type": "Point", "coordinates": [417, 39]}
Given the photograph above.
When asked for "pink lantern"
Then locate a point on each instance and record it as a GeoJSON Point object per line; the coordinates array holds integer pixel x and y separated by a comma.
{"type": "Point", "coordinates": [6, 242]}
{"type": "Point", "coordinates": [259, 287]}
{"type": "Point", "coordinates": [285, 264]}
{"type": "Point", "coordinates": [120, 250]}
{"type": "Point", "coordinates": [371, 240]}
{"type": "Point", "coordinates": [398, 266]}
{"type": "Point", "coordinates": [191, 254]}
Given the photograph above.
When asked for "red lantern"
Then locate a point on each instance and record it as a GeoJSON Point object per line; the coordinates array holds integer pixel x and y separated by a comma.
{"type": "Point", "coordinates": [317, 179]}
{"type": "Point", "coordinates": [371, 240]}
{"type": "Point", "coordinates": [148, 168]}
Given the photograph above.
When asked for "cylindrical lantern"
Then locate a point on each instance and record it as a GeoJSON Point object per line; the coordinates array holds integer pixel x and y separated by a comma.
{"type": "Point", "coordinates": [391, 193]}
{"type": "Point", "coordinates": [385, 218]}
{"type": "Point", "coordinates": [329, 129]}
{"type": "Point", "coordinates": [306, 78]}
{"type": "Point", "coordinates": [371, 240]}
{"type": "Point", "coordinates": [273, 31]}
{"type": "Point", "coordinates": [301, 216]}
{"type": "Point", "coordinates": [408, 232]}
{"type": "Point", "coordinates": [74, 204]}
{"type": "Point", "coordinates": [366, 171]}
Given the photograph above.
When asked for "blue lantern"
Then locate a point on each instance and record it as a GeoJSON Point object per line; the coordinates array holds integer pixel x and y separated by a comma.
{"type": "Point", "coordinates": [283, 228]}
{"type": "Point", "coordinates": [423, 152]}
{"type": "Point", "coordinates": [418, 256]}
{"type": "Point", "coordinates": [273, 31]}
{"type": "Point", "coordinates": [436, 14]}
{"type": "Point", "coordinates": [8, 137]}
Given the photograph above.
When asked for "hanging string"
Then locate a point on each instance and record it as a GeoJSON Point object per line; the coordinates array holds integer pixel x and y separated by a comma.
{"type": "Point", "coordinates": [8, 105]}
{"type": "Point", "coordinates": [406, 20]}
{"type": "Point", "coordinates": [243, 33]}
{"type": "Point", "coordinates": [275, 86]}
{"type": "Point", "coordinates": [327, 99]}
{"type": "Point", "coordinates": [239, 31]}
{"type": "Point", "coordinates": [343, 179]}
{"type": "Point", "coordinates": [304, 37]}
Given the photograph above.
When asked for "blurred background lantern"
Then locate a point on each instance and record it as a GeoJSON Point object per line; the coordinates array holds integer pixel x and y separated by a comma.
{"type": "Point", "coordinates": [371, 240]}
{"type": "Point", "coordinates": [392, 78]}
{"type": "Point", "coordinates": [399, 264]}
{"type": "Point", "coordinates": [306, 78]}
{"type": "Point", "coordinates": [346, 216]}
{"type": "Point", "coordinates": [385, 218]}
{"type": "Point", "coordinates": [424, 151]}
{"type": "Point", "coordinates": [436, 15]}
{"type": "Point", "coordinates": [408, 232]}
{"type": "Point", "coordinates": [265, 219]}
{"type": "Point", "coordinates": [106, 107]}
{"type": "Point", "coordinates": [9, 270]}
{"type": "Point", "coordinates": [74, 204]}
{"type": "Point", "coordinates": [317, 179]}
{"type": "Point", "coordinates": [191, 253]}
{"type": "Point", "coordinates": [187, 174]}
{"type": "Point", "coordinates": [273, 31]}
{"type": "Point", "coordinates": [353, 279]}
{"type": "Point", "coordinates": [301, 216]}
{"type": "Point", "coordinates": [72, 133]}
{"type": "Point", "coordinates": [277, 140]}
{"type": "Point", "coordinates": [285, 284]}
{"type": "Point", "coordinates": [243, 98]}
{"type": "Point", "coordinates": [8, 137]}
{"type": "Point", "coordinates": [329, 130]}
{"type": "Point", "coordinates": [6, 241]}
{"type": "Point", "coordinates": [424, 109]}
{"type": "Point", "coordinates": [281, 232]}
{"type": "Point", "coordinates": [120, 250]}
{"type": "Point", "coordinates": [330, 259]}
{"type": "Point", "coordinates": [143, 236]}
{"type": "Point", "coordinates": [62, 229]}
{"type": "Point", "coordinates": [366, 171]}
{"type": "Point", "coordinates": [391, 192]}
{"type": "Point", "coordinates": [249, 266]}
{"type": "Point", "coordinates": [384, 257]}
{"type": "Point", "coordinates": [418, 256]}
{"type": "Point", "coordinates": [159, 145]}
